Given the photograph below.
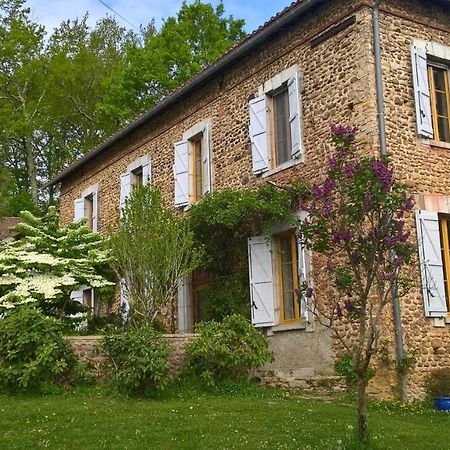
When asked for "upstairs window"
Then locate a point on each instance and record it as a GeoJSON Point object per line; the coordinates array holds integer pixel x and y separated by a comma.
{"type": "Point", "coordinates": [282, 131]}
{"type": "Point", "coordinates": [137, 179]}
{"type": "Point", "coordinates": [197, 168]}
{"type": "Point", "coordinates": [89, 210]}
{"type": "Point", "coordinates": [138, 174]}
{"type": "Point", "coordinates": [87, 207]}
{"type": "Point", "coordinates": [438, 78]}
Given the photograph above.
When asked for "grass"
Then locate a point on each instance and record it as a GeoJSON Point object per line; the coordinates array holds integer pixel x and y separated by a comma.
{"type": "Point", "coordinates": [234, 417]}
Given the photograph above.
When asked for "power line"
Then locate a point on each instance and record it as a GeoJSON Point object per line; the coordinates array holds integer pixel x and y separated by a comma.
{"type": "Point", "coordinates": [117, 14]}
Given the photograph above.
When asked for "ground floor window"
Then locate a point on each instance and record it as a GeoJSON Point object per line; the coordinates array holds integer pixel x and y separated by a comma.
{"type": "Point", "coordinates": [444, 232]}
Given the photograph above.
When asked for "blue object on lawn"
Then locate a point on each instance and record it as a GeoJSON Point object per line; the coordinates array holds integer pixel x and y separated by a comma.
{"type": "Point", "coordinates": [442, 403]}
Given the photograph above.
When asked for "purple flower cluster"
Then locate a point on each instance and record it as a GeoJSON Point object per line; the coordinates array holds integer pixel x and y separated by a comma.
{"type": "Point", "coordinates": [347, 133]}
{"type": "Point", "coordinates": [342, 235]}
{"type": "Point", "coordinates": [384, 174]}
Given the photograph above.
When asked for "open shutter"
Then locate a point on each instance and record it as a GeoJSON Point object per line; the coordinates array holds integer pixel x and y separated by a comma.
{"type": "Point", "coordinates": [302, 277]}
{"type": "Point", "coordinates": [124, 299]}
{"type": "Point", "coordinates": [206, 161]}
{"type": "Point", "coordinates": [181, 173]}
{"type": "Point", "coordinates": [125, 188]}
{"type": "Point", "coordinates": [95, 211]}
{"type": "Point", "coordinates": [422, 92]}
{"type": "Point", "coordinates": [431, 266]}
{"type": "Point", "coordinates": [77, 296]}
{"type": "Point", "coordinates": [146, 174]}
{"type": "Point", "coordinates": [258, 134]}
{"type": "Point", "coordinates": [294, 117]}
{"type": "Point", "coordinates": [78, 209]}
{"type": "Point", "coordinates": [261, 281]}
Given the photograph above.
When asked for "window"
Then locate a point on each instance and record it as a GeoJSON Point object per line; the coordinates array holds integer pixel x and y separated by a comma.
{"type": "Point", "coordinates": [431, 78]}
{"type": "Point", "coordinates": [192, 165]}
{"type": "Point", "coordinates": [286, 261]}
{"type": "Point", "coordinates": [87, 297]}
{"type": "Point", "coordinates": [444, 232]}
{"type": "Point", "coordinates": [277, 268]}
{"type": "Point", "coordinates": [275, 123]}
{"type": "Point", "coordinates": [87, 207]}
{"type": "Point", "coordinates": [137, 178]}
{"type": "Point", "coordinates": [138, 174]}
{"type": "Point", "coordinates": [438, 79]}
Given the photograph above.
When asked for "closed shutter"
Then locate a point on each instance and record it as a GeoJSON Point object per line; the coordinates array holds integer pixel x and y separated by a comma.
{"type": "Point", "coordinates": [431, 265]}
{"type": "Point", "coordinates": [146, 174]}
{"type": "Point", "coordinates": [95, 211]}
{"type": "Point", "coordinates": [181, 173]}
{"type": "Point", "coordinates": [422, 92]}
{"type": "Point", "coordinates": [125, 188]}
{"type": "Point", "coordinates": [258, 134]}
{"type": "Point", "coordinates": [261, 282]}
{"type": "Point", "coordinates": [206, 161]}
{"type": "Point", "coordinates": [78, 209]}
{"type": "Point", "coordinates": [294, 117]}
{"type": "Point", "coordinates": [302, 277]}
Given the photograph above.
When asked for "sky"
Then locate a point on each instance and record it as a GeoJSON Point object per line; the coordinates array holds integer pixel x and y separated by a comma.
{"type": "Point", "coordinates": [51, 13]}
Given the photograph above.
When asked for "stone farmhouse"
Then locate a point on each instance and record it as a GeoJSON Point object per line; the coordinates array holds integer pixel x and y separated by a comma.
{"type": "Point", "coordinates": [262, 112]}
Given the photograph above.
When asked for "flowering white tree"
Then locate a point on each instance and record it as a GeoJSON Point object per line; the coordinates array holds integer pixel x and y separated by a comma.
{"type": "Point", "coordinates": [49, 261]}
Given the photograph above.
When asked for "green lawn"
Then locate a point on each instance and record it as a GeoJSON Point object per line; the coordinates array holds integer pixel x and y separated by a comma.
{"type": "Point", "coordinates": [255, 419]}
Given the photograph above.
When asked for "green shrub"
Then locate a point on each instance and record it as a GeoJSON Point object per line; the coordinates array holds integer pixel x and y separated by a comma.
{"type": "Point", "coordinates": [437, 383]}
{"type": "Point", "coordinates": [136, 360]}
{"type": "Point", "coordinates": [345, 367]}
{"type": "Point", "coordinates": [33, 351]}
{"type": "Point", "coordinates": [229, 349]}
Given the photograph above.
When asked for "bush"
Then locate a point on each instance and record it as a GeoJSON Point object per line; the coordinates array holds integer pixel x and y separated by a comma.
{"type": "Point", "coordinates": [437, 383]}
{"type": "Point", "coordinates": [225, 350]}
{"type": "Point", "coordinates": [136, 360]}
{"type": "Point", "coordinates": [33, 351]}
{"type": "Point", "coordinates": [345, 367]}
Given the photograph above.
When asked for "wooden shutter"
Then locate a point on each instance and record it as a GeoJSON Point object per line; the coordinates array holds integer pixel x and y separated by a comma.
{"type": "Point", "coordinates": [302, 277]}
{"type": "Point", "coordinates": [294, 117]}
{"type": "Point", "coordinates": [258, 134]}
{"type": "Point", "coordinates": [146, 173]}
{"type": "Point", "coordinates": [125, 188]}
{"type": "Point", "coordinates": [422, 92]}
{"type": "Point", "coordinates": [181, 173]}
{"type": "Point", "coordinates": [77, 296]}
{"type": "Point", "coordinates": [124, 299]}
{"type": "Point", "coordinates": [95, 211]}
{"type": "Point", "coordinates": [78, 209]}
{"type": "Point", "coordinates": [261, 282]}
{"type": "Point", "coordinates": [206, 161]}
{"type": "Point", "coordinates": [431, 265]}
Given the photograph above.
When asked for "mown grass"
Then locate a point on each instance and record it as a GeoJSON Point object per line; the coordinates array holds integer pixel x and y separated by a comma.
{"type": "Point", "coordinates": [187, 418]}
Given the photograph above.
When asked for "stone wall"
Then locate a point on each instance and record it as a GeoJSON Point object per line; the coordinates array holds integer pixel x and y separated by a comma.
{"type": "Point", "coordinates": [86, 349]}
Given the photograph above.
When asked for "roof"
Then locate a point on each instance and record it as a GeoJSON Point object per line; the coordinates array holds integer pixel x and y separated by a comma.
{"type": "Point", "coordinates": [5, 227]}
{"type": "Point", "coordinates": [285, 17]}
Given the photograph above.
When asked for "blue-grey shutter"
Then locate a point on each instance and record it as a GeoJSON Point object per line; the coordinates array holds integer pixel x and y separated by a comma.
{"type": "Point", "coordinates": [146, 174]}
{"type": "Point", "coordinates": [95, 210]}
{"type": "Point", "coordinates": [294, 117]}
{"type": "Point", "coordinates": [125, 188]}
{"type": "Point", "coordinates": [77, 296]}
{"type": "Point", "coordinates": [78, 209]}
{"type": "Point", "coordinates": [431, 265]}
{"type": "Point", "coordinates": [124, 299]}
{"type": "Point", "coordinates": [206, 160]}
{"type": "Point", "coordinates": [302, 277]}
{"type": "Point", "coordinates": [181, 173]}
{"type": "Point", "coordinates": [258, 134]}
{"type": "Point", "coordinates": [261, 282]}
{"type": "Point", "coordinates": [422, 92]}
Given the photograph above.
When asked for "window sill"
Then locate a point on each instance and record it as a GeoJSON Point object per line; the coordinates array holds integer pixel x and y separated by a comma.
{"type": "Point", "coordinates": [286, 327]}
{"type": "Point", "coordinates": [281, 167]}
{"type": "Point", "coordinates": [439, 144]}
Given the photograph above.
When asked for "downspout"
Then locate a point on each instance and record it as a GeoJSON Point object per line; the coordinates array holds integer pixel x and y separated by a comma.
{"type": "Point", "coordinates": [384, 152]}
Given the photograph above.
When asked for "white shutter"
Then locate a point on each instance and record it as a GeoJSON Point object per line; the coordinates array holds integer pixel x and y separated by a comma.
{"type": "Point", "coordinates": [77, 296]}
{"type": "Point", "coordinates": [258, 134]}
{"type": "Point", "coordinates": [294, 117]}
{"type": "Point", "coordinates": [95, 211]}
{"type": "Point", "coordinates": [181, 173]}
{"type": "Point", "coordinates": [125, 188]}
{"type": "Point", "coordinates": [124, 299]}
{"type": "Point", "coordinates": [302, 277]}
{"type": "Point", "coordinates": [78, 209]}
{"type": "Point", "coordinates": [422, 92]}
{"type": "Point", "coordinates": [146, 174]}
{"type": "Point", "coordinates": [261, 281]}
{"type": "Point", "coordinates": [206, 161]}
{"type": "Point", "coordinates": [431, 266]}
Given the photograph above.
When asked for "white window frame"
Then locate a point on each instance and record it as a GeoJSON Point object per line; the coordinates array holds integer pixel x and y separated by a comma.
{"type": "Point", "coordinates": [88, 192]}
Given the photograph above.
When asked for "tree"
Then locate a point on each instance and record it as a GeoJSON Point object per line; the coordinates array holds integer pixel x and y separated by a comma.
{"type": "Point", "coordinates": [152, 251]}
{"type": "Point", "coordinates": [357, 224]}
{"type": "Point", "coordinates": [49, 262]}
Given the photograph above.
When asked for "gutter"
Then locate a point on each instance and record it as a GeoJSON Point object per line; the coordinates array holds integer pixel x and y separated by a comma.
{"type": "Point", "coordinates": [400, 353]}
{"type": "Point", "coordinates": [215, 68]}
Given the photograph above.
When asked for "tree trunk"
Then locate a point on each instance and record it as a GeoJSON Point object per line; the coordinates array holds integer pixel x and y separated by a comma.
{"type": "Point", "coordinates": [32, 173]}
{"type": "Point", "coordinates": [362, 408]}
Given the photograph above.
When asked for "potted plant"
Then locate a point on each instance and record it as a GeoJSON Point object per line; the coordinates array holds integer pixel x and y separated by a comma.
{"type": "Point", "coordinates": [437, 386]}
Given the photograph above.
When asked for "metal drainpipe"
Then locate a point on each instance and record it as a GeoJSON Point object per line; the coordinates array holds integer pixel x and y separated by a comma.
{"type": "Point", "coordinates": [383, 150]}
